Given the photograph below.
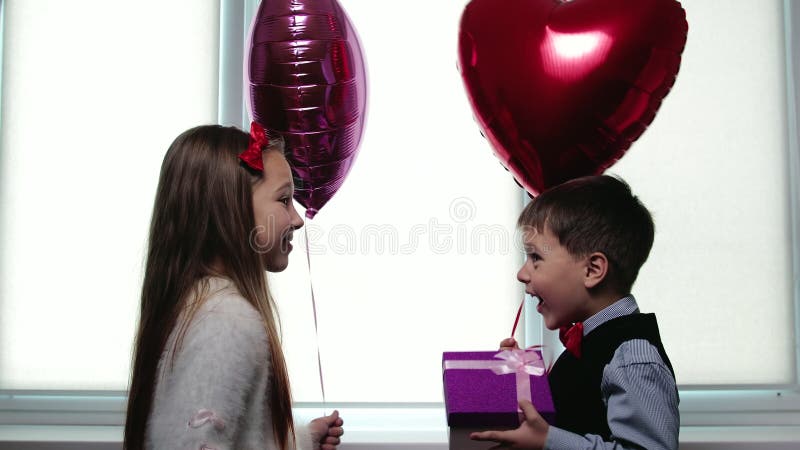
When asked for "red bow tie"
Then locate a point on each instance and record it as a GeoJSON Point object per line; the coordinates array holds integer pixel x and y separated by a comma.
{"type": "Point", "coordinates": [571, 338]}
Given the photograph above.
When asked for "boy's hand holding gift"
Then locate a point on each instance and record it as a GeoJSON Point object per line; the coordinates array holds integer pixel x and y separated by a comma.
{"type": "Point", "coordinates": [532, 434]}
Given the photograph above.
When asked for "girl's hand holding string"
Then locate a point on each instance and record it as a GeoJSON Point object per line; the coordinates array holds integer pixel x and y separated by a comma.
{"type": "Point", "coordinates": [327, 430]}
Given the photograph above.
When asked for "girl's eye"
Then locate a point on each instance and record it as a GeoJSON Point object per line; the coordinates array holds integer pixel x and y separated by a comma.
{"type": "Point", "coordinates": [534, 257]}
{"type": "Point", "coordinates": [285, 201]}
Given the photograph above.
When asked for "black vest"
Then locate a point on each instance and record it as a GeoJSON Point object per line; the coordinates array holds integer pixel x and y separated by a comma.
{"type": "Point", "coordinates": [575, 383]}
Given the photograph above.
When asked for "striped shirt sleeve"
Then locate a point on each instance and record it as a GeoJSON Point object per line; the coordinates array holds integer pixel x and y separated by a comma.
{"type": "Point", "coordinates": [642, 401]}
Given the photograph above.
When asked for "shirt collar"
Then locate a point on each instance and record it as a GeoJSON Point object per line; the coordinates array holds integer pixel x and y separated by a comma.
{"type": "Point", "coordinates": [622, 307]}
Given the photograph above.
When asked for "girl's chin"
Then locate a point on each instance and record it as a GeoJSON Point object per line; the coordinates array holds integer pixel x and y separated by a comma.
{"type": "Point", "coordinates": [277, 263]}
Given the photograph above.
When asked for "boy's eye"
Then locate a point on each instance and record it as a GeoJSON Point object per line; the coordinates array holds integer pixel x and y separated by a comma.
{"type": "Point", "coordinates": [534, 257]}
{"type": "Point", "coordinates": [285, 201]}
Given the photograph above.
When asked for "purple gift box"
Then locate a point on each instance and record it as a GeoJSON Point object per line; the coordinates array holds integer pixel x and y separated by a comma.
{"type": "Point", "coordinates": [481, 388]}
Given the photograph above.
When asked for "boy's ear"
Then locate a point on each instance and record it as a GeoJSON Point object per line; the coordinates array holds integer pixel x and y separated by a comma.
{"type": "Point", "coordinates": [596, 269]}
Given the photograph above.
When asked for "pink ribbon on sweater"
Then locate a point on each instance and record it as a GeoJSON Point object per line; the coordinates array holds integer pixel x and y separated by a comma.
{"type": "Point", "coordinates": [205, 416]}
{"type": "Point", "coordinates": [522, 363]}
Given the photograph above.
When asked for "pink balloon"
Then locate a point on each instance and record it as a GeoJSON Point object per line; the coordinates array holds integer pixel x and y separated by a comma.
{"type": "Point", "coordinates": [308, 83]}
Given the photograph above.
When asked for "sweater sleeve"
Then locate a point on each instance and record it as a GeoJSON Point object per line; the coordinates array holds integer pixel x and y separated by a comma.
{"type": "Point", "coordinates": [201, 400]}
{"type": "Point", "coordinates": [302, 434]}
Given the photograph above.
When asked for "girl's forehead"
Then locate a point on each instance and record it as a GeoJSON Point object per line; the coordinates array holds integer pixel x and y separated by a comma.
{"type": "Point", "coordinates": [276, 169]}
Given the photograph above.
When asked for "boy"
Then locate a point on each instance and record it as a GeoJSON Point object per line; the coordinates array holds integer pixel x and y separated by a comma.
{"type": "Point", "coordinates": [614, 386]}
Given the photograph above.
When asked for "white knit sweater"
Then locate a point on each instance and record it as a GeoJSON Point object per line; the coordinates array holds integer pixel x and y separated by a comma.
{"type": "Point", "coordinates": [215, 396]}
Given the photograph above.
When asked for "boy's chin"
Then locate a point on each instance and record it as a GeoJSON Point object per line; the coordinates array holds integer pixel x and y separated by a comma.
{"type": "Point", "coordinates": [551, 323]}
{"type": "Point", "coordinates": [554, 323]}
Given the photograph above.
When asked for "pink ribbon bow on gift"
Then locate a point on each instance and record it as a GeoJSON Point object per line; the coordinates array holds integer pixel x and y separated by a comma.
{"type": "Point", "coordinates": [522, 363]}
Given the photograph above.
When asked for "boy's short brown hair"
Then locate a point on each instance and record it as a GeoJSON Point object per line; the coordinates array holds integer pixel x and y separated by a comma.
{"type": "Point", "coordinates": [596, 214]}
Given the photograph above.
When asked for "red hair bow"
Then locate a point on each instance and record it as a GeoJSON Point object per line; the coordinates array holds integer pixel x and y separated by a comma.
{"type": "Point", "coordinates": [258, 140]}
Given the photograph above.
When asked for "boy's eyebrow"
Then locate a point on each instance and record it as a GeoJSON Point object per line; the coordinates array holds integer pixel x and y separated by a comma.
{"type": "Point", "coordinates": [529, 246]}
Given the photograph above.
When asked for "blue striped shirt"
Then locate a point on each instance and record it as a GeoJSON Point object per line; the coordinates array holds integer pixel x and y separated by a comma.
{"type": "Point", "coordinates": [638, 390]}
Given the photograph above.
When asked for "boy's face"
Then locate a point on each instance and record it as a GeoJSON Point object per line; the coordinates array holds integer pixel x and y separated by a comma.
{"type": "Point", "coordinates": [555, 277]}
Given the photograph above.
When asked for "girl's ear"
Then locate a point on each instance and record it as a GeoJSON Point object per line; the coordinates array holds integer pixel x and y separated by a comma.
{"type": "Point", "coordinates": [596, 269]}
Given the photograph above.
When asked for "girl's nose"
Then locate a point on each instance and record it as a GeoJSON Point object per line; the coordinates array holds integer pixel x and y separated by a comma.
{"type": "Point", "coordinates": [297, 220]}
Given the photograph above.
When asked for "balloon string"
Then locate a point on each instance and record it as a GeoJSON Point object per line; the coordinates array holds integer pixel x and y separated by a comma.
{"type": "Point", "coordinates": [519, 313]}
{"type": "Point", "coordinates": [514, 330]}
{"type": "Point", "coordinates": [316, 326]}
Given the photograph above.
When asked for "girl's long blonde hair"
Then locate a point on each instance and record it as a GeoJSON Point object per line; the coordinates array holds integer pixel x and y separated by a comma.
{"type": "Point", "coordinates": [202, 216]}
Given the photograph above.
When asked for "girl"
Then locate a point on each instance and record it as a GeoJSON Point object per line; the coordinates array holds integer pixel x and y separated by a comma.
{"type": "Point", "coordinates": [208, 369]}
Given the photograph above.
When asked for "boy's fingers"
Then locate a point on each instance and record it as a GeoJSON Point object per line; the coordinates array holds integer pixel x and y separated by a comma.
{"type": "Point", "coordinates": [335, 431]}
{"type": "Point", "coordinates": [527, 408]}
{"type": "Point", "coordinates": [508, 342]}
{"type": "Point", "coordinates": [496, 436]}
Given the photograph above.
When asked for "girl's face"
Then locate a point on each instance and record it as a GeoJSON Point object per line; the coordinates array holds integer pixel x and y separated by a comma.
{"type": "Point", "coordinates": [275, 215]}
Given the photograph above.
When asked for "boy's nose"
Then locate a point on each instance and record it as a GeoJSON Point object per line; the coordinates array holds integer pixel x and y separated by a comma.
{"type": "Point", "coordinates": [522, 276]}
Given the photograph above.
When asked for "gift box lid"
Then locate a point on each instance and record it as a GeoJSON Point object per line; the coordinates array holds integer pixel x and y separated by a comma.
{"type": "Point", "coordinates": [480, 397]}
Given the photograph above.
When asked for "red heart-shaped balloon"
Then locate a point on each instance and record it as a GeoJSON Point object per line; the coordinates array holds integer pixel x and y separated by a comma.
{"type": "Point", "coordinates": [562, 89]}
